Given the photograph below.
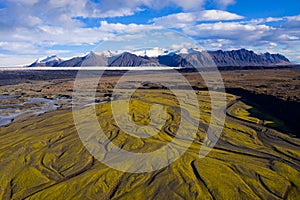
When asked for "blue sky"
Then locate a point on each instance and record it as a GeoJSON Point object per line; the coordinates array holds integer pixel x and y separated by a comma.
{"type": "Point", "coordinates": [30, 29]}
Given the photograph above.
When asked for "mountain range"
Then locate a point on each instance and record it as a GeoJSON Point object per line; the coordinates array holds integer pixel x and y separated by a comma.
{"type": "Point", "coordinates": [184, 57]}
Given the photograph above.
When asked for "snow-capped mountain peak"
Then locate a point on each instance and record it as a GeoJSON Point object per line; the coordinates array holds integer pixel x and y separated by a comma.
{"type": "Point", "coordinates": [154, 52]}
{"type": "Point", "coordinates": [50, 59]}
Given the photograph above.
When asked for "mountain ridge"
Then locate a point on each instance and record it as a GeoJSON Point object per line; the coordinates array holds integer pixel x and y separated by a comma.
{"type": "Point", "coordinates": [185, 58]}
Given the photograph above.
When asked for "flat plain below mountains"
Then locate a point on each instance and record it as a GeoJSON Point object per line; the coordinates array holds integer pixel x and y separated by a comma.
{"type": "Point", "coordinates": [256, 157]}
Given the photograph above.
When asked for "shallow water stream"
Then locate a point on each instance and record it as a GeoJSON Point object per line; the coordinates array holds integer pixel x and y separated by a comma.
{"type": "Point", "coordinates": [12, 107]}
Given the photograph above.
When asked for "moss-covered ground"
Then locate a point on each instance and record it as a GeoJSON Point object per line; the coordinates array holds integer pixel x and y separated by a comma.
{"type": "Point", "coordinates": [43, 157]}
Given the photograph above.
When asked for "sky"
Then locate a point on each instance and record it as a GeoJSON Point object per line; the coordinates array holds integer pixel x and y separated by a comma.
{"type": "Point", "coordinates": [30, 29]}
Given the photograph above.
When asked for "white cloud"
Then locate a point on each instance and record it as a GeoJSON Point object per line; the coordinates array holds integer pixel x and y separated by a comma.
{"type": "Point", "coordinates": [216, 44]}
{"type": "Point", "coordinates": [118, 27]}
{"type": "Point", "coordinates": [18, 47]}
{"type": "Point", "coordinates": [266, 20]}
{"type": "Point", "coordinates": [288, 37]}
{"type": "Point", "coordinates": [272, 44]}
{"type": "Point", "coordinates": [15, 60]}
{"type": "Point", "coordinates": [180, 20]}
{"type": "Point", "coordinates": [46, 23]}
{"type": "Point", "coordinates": [25, 2]}
{"type": "Point", "coordinates": [56, 52]}
{"type": "Point", "coordinates": [41, 24]}
{"type": "Point", "coordinates": [217, 15]}
{"type": "Point", "coordinates": [229, 30]}
{"type": "Point", "coordinates": [274, 19]}
{"type": "Point", "coordinates": [235, 35]}
{"type": "Point", "coordinates": [114, 13]}
{"type": "Point", "coordinates": [62, 12]}
{"type": "Point", "coordinates": [184, 45]}
{"type": "Point", "coordinates": [188, 4]}
{"type": "Point", "coordinates": [33, 42]}
{"type": "Point", "coordinates": [293, 55]}
{"type": "Point", "coordinates": [157, 4]}
{"type": "Point", "coordinates": [294, 18]}
{"type": "Point", "coordinates": [224, 3]}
